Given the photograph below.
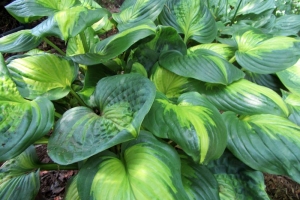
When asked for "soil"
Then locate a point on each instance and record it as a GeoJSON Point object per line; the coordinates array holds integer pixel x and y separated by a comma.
{"type": "Point", "coordinates": [53, 183]}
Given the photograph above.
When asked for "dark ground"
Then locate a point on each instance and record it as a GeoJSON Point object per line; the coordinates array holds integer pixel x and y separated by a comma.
{"type": "Point", "coordinates": [53, 182]}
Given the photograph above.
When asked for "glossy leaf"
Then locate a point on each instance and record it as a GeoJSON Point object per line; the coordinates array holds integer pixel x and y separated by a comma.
{"type": "Point", "coordinates": [68, 23]}
{"type": "Point", "coordinates": [267, 143]}
{"type": "Point", "coordinates": [191, 18]}
{"type": "Point", "coordinates": [256, 6]}
{"type": "Point", "coordinates": [44, 75]}
{"type": "Point", "coordinates": [286, 25]}
{"type": "Point", "coordinates": [115, 45]}
{"type": "Point", "coordinates": [246, 98]}
{"type": "Point", "coordinates": [192, 122]}
{"type": "Point", "coordinates": [260, 55]}
{"type": "Point", "coordinates": [22, 122]}
{"type": "Point", "coordinates": [133, 11]}
{"type": "Point", "coordinates": [148, 169]}
{"type": "Point", "coordinates": [290, 78]}
{"type": "Point", "coordinates": [236, 180]}
{"type": "Point", "coordinates": [19, 41]}
{"type": "Point", "coordinates": [122, 101]}
{"type": "Point", "coordinates": [71, 189]}
{"type": "Point", "coordinates": [224, 50]}
{"type": "Point", "coordinates": [166, 38]}
{"type": "Point", "coordinates": [293, 103]}
{"type": "Point", "coordinates": [28, 10]}
{"type": "Point", "coordinates": [198, 181]}
{"type": "Point", "coordinates": [19, 176]}
{"type": "Point", "coordinates": [203, 65]}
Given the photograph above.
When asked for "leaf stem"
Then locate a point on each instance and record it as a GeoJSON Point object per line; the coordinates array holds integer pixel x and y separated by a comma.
{"type": "Point", "coordinates": [232, 60]}
{"type": "Point", "coordinates": [54, 166]}
{"type": "Point", "coordinates": [58, 115]}
{"type": "Point", "coordinates": [54, 46]}
{"type": "Point", "coordinates": [84, 42]}
{"type": "Point", "coordinates": [75, 95]}
{"type": "Point", "coordinates": [238, 7]}
{"type": "Point", "coordinates": [43, 140]}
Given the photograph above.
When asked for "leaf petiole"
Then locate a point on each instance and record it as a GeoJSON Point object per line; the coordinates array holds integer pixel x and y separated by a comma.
{"type": "Point", "coordinates": [54, 166]}
{"type": "Point", "coordinates": [75, 95]}
{"type": "Point", "coordinates": [54, 46]}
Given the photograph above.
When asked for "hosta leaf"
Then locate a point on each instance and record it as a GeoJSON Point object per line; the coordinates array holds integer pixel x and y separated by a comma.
{"type": "Point", "coordinates": [133, 11]}
{"type": "Point", "coordinates": [236, 180]}
{"type": "Point", "coordinates": [245, 97]}
{"type": "Point", "coordinates": [203, 65]}
{"type": "Point", "coordinates": [19, 177]}
{"type": "Point", "coordinates": [198, 181]}
{"type": "Point", "coordinates": [223, 50]}
{"type": "Point", "coordinates": [22, 122]}
{"type": "Point", "coordinates": [256, 6]}
{"type": "Point", "coordinates": [77, 46]}
{"type": "Point", "coordinates": [148, 169]}
{"type": "Point", "coordinates": [290, 78]}
{"type": "Point", "coordinates": [19, 41]}
{"type": "Point", "coordinates": [190, 17]}
{"type": "Point", "coordinates": [293, 103]}
{"type": "Point", "coordinates": [267, 143]}
{"type": "Point", "coordinates": [68, 23]}
{"type": "Point", "coordinates": [192, 122]}
{"type": "Point", "coordinates": [90, 4]}
{"type": "Point", "coordinates": [71, 189]}
{"type": "Point", "coordinates": [170, 84]}
{"type": "Point", "coordinates": [260, 55]}
{"type": "Point", "coordinates": [166, 38]}
{"type": "Point", "coordinates": [44, 75]}
{"type": "Point", "coordinates": [115, 45]}
{"type": "Point", "coordinates": [286, 25]}
{"type": "Point", "coordinates": [27, 10]}
{"type": "Point", "coordinates": [122, 100]}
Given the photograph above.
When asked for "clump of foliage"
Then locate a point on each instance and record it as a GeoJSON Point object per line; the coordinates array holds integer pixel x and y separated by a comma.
{"type": "Point", "coordinates": [191, 99]}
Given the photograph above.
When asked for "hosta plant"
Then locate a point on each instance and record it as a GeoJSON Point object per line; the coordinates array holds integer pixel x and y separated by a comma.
{"type": "Point", "coordinates": [188, 99]}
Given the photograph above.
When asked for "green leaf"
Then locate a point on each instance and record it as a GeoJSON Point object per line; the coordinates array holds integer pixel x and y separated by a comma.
{"type": "Point", "coordinates": [166, 38]}
{"type": "Point", "coordinates": [148, 169]}
{"type": "Point", "coordinates": [22, 122]}
{"type": "Point", "coordinates": [224, 50]}
{"type": "Point", "coordinates": [293, 103]}
{"type": "Point", "coordinates": [290, 78]}
{"type": "Point", "coordinates": [265, 142]}
{"type": "Point", "coordinates": [192, 122]}
{"type": "Point", "coordinates": [256, 6]}
{"type": "Point", "coordinates": [19, 41]}
{"type": "Point", "coordinates": [237, 180]}
{"type": "Point", "coordinates": [122, 101]}
{"type": "Point", "coordinates": [260, 55]}
{"type": "Point", "coordinates": [133, 11]}
{"type": "Point", "coordinates": [19, 176]}
{"type": "Point", "coordinates": [191, 18]}
{"type": "Point", "coordinates": [198, 181]}
{"type": "Point", "coordinates": [68, 23]}
{"type": "Point", "coordinates": [202, 64]}
{"type": "Point", "coordinates": [28, 10]}
{"type": "Point", "coordinates": [245, 98]}
{"type": "Point", "coordinates": [44, 75]}
{"type": "Point", "coordinates": [115, 44]}
{"type": "Point", "coordinates": [287, 25]}
{"type": "Point", "coordinates": [170, 84]}
{"type": "Point", "coordinates": [71, 189]}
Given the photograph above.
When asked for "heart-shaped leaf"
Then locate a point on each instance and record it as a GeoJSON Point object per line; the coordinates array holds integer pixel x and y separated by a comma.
{"type": "Point", "coordinates": [22, 122]}
{"type": "Point", "coordinates": [267, 143]}
{"type": "Point", "coordinates": [236, 180]}
{"type": "Point", "coordinates": [122, 101]}
{"type": "Point", "coordinates": [143, 172]}
{"type": "Point", "coordinates": [190, 17]}
{"type": "Point", "coordinates": [68, 23]}
{"type": "Point", "coordinates": [245, 98]}
{"type": "Point", "coordinates": [260, 55]}
{"type": "Point", "coordinates": [19, 177]}
{"type": "Point", "coordinates": [19, 41]}
{"type": "Point", "coordinates": [44, 75]}
{"type": "Point", "coordinates": [192, 122]}
{"type": "Point", "coordinates": [133, 11]}
{"type": "Point", "coordinates": [203, 65]}
{"type": "Point", "coordinates": [198, 181]}
{"type": "Point", "coordinates": [116, 44]}
{"type": "Point", "coordinates": [290, 78]}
